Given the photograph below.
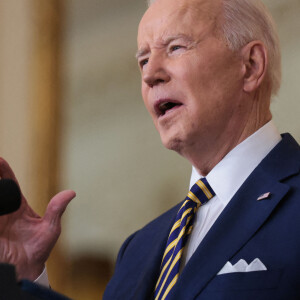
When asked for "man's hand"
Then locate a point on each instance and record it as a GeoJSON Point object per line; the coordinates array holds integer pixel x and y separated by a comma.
{"type": "Point", "coordinates": [26, 239]}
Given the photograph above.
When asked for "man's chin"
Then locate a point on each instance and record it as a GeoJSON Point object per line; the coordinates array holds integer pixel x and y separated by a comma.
{"type": "Point", "coordinates": [172, 143]}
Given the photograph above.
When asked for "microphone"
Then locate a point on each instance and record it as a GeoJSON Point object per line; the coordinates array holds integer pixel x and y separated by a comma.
{"type": "Point", "coordinates": [10, 196]}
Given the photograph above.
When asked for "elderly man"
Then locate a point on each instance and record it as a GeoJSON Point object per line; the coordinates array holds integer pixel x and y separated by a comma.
{"type": "Point", "coordinates": [209, 69]}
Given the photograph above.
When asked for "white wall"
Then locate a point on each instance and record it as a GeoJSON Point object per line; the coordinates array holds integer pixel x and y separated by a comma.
{"type": "Point", "coordinates": [286, 107]}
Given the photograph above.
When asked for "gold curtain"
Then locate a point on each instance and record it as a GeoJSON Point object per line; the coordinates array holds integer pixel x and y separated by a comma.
{"type": "Point", "coordinates": [30, 124]}
{"type": "Point", "coordinates": [84, 277]}
{"type": "Point", "coordinates": [45, 92]}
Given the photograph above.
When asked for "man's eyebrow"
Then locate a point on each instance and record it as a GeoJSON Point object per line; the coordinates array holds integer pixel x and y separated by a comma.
{"type": "Point", "coordinates": [171, 38]}
{"type": "Point", "coordinates": [140, 53]}
{"type": "Point", "coordinates": [164, 42]}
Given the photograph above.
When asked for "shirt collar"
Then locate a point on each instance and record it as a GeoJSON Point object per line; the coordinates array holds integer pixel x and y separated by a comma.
{"type": "Point", "coordinates": [232, 171]}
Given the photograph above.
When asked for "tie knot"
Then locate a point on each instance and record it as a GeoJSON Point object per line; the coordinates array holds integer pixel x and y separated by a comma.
{"type": "Point", "coordinates": [200, 192]}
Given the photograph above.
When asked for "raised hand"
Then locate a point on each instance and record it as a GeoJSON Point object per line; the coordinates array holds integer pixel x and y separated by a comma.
{"type": "Point", "coordinates": [27, 239]}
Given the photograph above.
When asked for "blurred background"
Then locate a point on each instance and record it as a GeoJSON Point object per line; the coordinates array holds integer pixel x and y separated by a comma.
{"type": "Point", "coordinates": [71, 117]}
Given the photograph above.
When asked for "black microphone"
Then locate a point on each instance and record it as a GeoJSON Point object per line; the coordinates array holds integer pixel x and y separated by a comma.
{"type": "Point", "coordinates": [10, 196]}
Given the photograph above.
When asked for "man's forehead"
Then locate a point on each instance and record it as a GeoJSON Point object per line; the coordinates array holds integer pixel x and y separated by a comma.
{"type": "Point", "coordinates": [166, 16]}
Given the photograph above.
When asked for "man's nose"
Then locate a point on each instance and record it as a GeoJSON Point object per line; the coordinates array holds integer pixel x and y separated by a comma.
{"type": "Point", "coordinates": [154, 72]}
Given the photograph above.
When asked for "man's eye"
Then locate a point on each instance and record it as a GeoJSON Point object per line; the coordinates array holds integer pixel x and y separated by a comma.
{"type": "Point", "coordinates": [143, 62]}
{"type": "Point", "coordinates": [174, 48]}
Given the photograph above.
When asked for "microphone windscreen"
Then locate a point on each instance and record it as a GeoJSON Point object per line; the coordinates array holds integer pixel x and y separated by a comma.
{"type": "Point", "coordinates": [10, 196]}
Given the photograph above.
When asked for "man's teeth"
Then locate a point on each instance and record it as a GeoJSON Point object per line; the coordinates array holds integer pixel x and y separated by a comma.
{"type": "Point", "coordinates": [163, 107]}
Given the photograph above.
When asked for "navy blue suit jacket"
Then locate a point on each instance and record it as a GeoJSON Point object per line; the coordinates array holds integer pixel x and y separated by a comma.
{"type": "Point", "coordinates": [246, 229]}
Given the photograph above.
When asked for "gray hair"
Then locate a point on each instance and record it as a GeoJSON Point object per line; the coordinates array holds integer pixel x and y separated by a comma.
{"type": "Point", "coordinates": [248, 20]}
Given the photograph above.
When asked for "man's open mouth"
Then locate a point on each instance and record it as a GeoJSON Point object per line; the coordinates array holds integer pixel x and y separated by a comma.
{"type": "Point", "coordinates": [163, 106]}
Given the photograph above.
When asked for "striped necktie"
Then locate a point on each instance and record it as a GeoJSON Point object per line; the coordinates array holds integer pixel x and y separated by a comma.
{"type": "Point", "coordinates": [199, 194]}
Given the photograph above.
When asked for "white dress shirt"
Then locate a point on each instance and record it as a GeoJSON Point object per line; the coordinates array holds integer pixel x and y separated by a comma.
{"type": "Point", "coordinates": [43, 279]}
{"type": "Point", "coordinates": [226, 178]}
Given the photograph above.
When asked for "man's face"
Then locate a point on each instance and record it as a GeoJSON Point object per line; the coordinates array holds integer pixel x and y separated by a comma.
{"type": "Point", "coordinates": [191, 81]}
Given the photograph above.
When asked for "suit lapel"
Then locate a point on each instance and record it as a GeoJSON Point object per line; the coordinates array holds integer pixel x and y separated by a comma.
{"type": "Point", "coordinates": [146, 284]}
{"type": "Point", "coordinates": [240, 220]}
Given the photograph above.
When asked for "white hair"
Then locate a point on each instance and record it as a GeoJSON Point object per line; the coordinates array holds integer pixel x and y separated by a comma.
{"type": "Point", "coordinates": [244, 21]}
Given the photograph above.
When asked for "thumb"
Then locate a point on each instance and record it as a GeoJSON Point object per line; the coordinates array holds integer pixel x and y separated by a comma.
{"type": "Point", "coordinates": [57, 206]}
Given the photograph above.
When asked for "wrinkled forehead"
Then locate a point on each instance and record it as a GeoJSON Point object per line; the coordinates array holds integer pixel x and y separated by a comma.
{"type": "Point", "coordinates": [170, 15]}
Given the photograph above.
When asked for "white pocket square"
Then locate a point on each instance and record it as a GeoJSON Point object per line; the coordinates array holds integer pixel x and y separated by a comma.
{"type": "Point", "coordinates": [242, 266]}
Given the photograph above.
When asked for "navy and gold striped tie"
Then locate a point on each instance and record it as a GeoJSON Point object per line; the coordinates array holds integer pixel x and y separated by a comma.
{"type": "Point", "coordinates": [199, 194]}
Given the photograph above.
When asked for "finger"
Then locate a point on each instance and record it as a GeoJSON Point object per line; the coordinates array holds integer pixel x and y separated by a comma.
{"type": "Point", "coordinates": [5, 171]}
{"type": "Point", "coordinates": [57, 206]}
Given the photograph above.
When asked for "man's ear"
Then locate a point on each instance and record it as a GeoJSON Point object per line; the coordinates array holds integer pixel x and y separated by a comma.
{"type": "Point", "coordinates": [255, 62]}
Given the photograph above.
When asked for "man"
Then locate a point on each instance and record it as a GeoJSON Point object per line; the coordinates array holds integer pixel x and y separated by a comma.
{"type": "Point", "coordinates": [209, 69]}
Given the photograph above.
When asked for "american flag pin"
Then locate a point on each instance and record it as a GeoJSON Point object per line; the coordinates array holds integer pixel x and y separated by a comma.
{"type": "Point", "coordinates": [264, 196]}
